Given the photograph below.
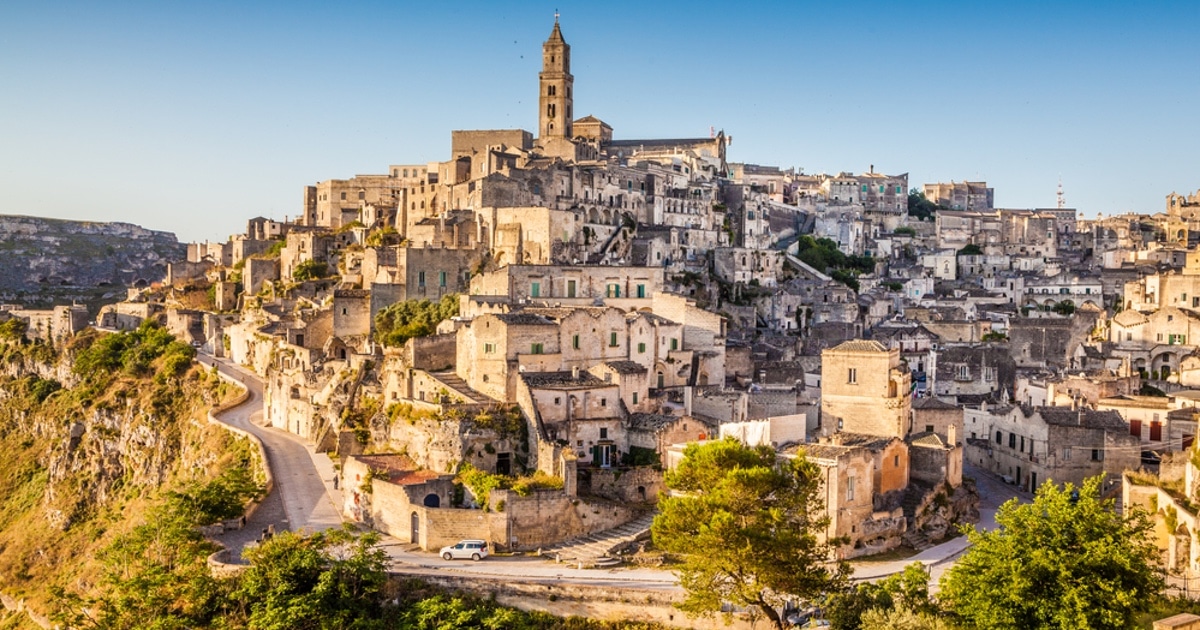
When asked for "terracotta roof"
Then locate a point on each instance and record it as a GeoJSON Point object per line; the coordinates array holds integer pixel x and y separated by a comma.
{"type": "Point", "coordinates": [928, 439]}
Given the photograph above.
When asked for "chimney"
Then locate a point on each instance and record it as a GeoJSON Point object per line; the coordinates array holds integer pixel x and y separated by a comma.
{"type": "Point", "coordinates": [952, 434]}
{"type": "Point", "coordinates": [872, 169]}
{"type": "Point", "coordinates": [575, 372]}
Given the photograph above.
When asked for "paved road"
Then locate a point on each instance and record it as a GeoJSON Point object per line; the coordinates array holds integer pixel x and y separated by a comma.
{"type": "Point", "coordinates": [303, 498]}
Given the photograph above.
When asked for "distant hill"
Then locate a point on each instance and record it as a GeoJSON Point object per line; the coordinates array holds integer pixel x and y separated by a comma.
{"type": "Point", "coordinates": [54, 261]}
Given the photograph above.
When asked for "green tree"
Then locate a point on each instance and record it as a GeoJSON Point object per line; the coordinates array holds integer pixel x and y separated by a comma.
{"type": "Point", "coordinates": [1065, 307]}
{"type": "Point", "coordinates": [1065, 561]}
{"type": "Point", "coordinates": [402, 321]}
{"type": "Point", "coordinates": [310, 270]}
{"type": "Point", "coordinates": [900, 618]}
{"type": "Point", "coordinates": [330, 579]}
{"type": "Point", "coordinates": [970, 249]}
{"type": "Point", "coordinates": [904, 591]}
{"type": "Point", "coordinates": [155, 576]}
{"type": "Point", "coordinates": [921, 207]}
{"type": "Point", "coordinates": [748, 529]}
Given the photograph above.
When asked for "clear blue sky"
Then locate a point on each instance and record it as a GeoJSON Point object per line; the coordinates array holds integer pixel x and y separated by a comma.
{"type": "Point", "coordinates": [193, 117]}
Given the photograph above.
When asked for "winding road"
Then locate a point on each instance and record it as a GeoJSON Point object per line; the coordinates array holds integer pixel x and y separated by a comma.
{"type": "Point", "coordinates": [303, 498]}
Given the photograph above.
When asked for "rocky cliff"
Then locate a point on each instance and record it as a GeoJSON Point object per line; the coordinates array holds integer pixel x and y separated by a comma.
{"type": "Point", "coordinates": [87, 454]}
{"type": "Point", "coordinates": [53, 261]}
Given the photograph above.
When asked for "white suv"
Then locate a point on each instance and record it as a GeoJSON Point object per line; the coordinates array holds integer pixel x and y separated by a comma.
{"type": "Point", "coordinates": [473, 549]}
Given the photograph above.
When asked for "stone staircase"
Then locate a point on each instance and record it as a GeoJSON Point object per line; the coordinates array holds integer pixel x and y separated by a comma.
{"type": "Point", "coordinates": [457, 386]}
{"type": "Point", "coordinates": [914, 496]}
{"type": "Point", "coordinates": [594, 549]}
{"type": "Point", "coordinates": [916, 540]}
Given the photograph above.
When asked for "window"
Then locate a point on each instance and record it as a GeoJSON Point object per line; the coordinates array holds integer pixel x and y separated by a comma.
{"type": "Point", "coordinates": [1097, 455]}
{"type": "Point", "coordinates": [635, 398]}
{"type": "Point", "coordinates": [535, 348]}
{"type": "Point", "coordinates": [641, 348]}
{"type": "Point", "coordinates": [614, 291]}
{"type": "Point", "coordinates": [343, 196]}
{"type": "Point", "coordinates": [641, 290]}
{"type": "Point", "coordinates": [603, 432]}
{"type": "Point", "coordinates": [964, 373]}
{"type": "Point", "coordinates": [674, 344]}
{"type": "Point", "coordinates": [603, 403]}
{"type": "Point", "coordinates": [1066, 453]}
{"type": "Point", "coordinates": [1022, 449]}
{"type": "Point", "coordinates": [849, 489]}
{"type": "Point", "coordinates": [575, 341]}
{"type": "Point", "coordinates": [361, 195]}
{"type": "Point", "coordinates": [864, 188]}
{"type": "Point", "coordinates": [989, 374]}
{"type": "Point", "coordinates": [489, 348]}
{"type": "Point", "coordinates": [896, 460]}
{"type": "Point", "coordinates": [557, 400]}
{"type": "Point", "coordinates": [420, 278]}
{"type": "Point", "coordinates": [852, 377]}
{"type": "Point", "coordinates": [1012, 440]}
{"type": "Point", "coordinates": [570, 288]}
{"type": "Point", "coordinates": [441, 278]}
{"type": "Point", "coordinates": [612, 340]}
{"type": "Point", "coordinates": [535, 289]}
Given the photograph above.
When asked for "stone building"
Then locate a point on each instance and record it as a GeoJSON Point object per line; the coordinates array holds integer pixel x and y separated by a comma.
{"type": "Point", "coordinates": [850, 485]}
{"type": "Point", "coordinates": [961, 195]}
{"type": "Point", "coordinates": [865, 389]}
{"type": "Point", "coordinates": [1029, 445]}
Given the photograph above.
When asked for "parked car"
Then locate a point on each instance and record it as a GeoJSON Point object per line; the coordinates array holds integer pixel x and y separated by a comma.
{"type": "Point", "coordinates": [473, 549]}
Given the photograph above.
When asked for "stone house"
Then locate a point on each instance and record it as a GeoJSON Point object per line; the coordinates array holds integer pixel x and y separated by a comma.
{"type": "Point", "coordinates": [1150, 419]}
{"type": "Point", "coordinates": [848, 484]}
{"type": "Point", "coordinates": [1156, 340]}
{"type": "Point", "coordinates": [865, 389]}
{"type": "Point", "coordinates": [1030, 445]}
{"type": "Point", "coordinates": [579, 409]}
{"type": "Point", "coordinates": [976, 370]}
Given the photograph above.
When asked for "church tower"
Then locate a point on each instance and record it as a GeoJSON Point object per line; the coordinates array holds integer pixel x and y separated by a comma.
{"type": "Point", "coordinates": [554, 98]}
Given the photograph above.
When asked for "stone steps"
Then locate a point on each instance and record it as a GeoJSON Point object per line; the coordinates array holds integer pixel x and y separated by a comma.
{"type": "Point", "coordinates": [457, 385]}
{"type": "Point", "coordinates": [594, 549]}
{"type": "Point", "coordinates": [916, 540]}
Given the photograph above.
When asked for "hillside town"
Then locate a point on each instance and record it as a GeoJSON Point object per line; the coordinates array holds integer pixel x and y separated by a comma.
{"type": "Point", "coordinates": [513, 344]}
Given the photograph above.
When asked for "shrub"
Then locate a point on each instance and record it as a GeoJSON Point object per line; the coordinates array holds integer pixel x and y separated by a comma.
{"type": "Point", "coordinates": [310, 270]}
{"type": "Point", "coordinates": [402, 321]}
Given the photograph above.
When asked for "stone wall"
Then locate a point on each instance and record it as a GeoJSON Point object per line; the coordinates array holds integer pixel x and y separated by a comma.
{"type": "Point", "coordinates": [629, 485]}
{"type": "Point", "coordinates": [547, 517]}
{"type": "Point", "coordinates": [593, 602]}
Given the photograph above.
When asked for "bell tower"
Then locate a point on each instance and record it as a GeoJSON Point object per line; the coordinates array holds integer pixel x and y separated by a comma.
{"type": "Point", "coordinates": [554, 97]}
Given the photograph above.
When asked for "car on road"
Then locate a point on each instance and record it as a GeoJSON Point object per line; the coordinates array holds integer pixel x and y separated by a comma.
{"type": "Point", "coordinates": [473, 549]}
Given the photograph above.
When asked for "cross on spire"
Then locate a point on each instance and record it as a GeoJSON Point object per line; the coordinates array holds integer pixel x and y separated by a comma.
{"type": "Point", "coordinates": [556, 16]}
